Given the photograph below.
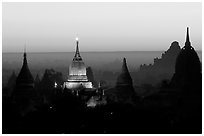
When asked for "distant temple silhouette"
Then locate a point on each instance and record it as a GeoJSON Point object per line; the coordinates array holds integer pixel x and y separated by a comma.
{"type": "Point", "coordinates": [187, 81]}
{"type": "Point", "coordinates": [124, 87]}
{"type": "Point", "coordinates": [77, 77]}
{"type": "Point", "coordinates": [188, 68]}
{"type": "Point", "coordinates": [162, 68]}
{"type": "Point", "coordinates": [167, 60]}
{"type": "Point", "coordinates": [25, 78]}
{"type": "Point", "coordinates": [123, 92]}
{"type": "Point", "coordinates": [124, 79]}
{"type": "Point", "coordinates": [24, 89]}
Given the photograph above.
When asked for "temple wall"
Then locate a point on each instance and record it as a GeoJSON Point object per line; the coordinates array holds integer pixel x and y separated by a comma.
{"type": "Point", "coordinates": [74, 85]}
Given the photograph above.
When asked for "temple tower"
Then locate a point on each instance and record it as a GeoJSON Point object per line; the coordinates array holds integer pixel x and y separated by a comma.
{"type": "Point", "coordinates": [124, 79]}
{"type": "Point", "coordinates": [77, 77]}
{"type": "Point", "coordinates": [188, 67]}
{"type": "Point", "coordinates": [24, 89]}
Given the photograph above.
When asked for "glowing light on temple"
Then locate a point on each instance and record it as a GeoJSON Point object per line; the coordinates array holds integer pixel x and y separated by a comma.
{"type": "Point", "coordinates": [55, 85]}
{"type": "Point", "coordinates": [77, 72]}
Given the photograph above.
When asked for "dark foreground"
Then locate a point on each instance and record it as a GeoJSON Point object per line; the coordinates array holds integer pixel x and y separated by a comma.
{"type": "Point", "coordinates": [68, 114]}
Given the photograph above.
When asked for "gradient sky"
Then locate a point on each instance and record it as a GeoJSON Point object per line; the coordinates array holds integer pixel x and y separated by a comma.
{"type": "Point", "coordinates": [52, 27]}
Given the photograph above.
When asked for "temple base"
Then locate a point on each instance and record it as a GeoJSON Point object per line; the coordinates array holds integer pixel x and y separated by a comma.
{"type": "Point", "coordinates": [76, 85]}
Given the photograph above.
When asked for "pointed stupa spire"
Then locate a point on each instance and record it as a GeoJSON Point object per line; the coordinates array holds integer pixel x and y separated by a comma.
{"type": "Point", "coordinates": [187, 43]}
{"type": "Point", "coordinates": [124, 78]}
{"type": "Point", "coordinates": [77, 54]}
{"type": "Point", "coordinates": [25, 75]}
{"type": "Point", "coordinates": [24, 55]}
{"type": "Point", "coordinates": [187, 36]}
{"type": "Point", "coordinates": [188, 67]}
{"type": "Point", "coordinates": [124, 66]}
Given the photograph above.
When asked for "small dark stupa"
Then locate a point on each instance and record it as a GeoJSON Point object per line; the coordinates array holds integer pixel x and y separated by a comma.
{"type": "Point", "coordinates": [124, 89]}
{"type": "Point", "coordinates": [124, 79]}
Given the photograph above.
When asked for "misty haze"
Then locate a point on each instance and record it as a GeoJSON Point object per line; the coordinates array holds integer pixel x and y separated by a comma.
{"type": "Point", "coordinates": [99, 61]}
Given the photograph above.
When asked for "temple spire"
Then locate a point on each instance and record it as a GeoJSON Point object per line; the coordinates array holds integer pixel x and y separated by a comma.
{"type": "Point", "coordinates": [25, 75]}
{"type": "Point", "coordinates": [124, 66]}
{"type": "Point", "coordinates": [77, 54]}
{"type": "Point", "coordinates": [24, 55]}
{"type": "Point", "coordinates": [77, 48]}
{"type": "Point", "coordinates": [124, 78]}
{"type": "Point", "coordinates": [187, 43]}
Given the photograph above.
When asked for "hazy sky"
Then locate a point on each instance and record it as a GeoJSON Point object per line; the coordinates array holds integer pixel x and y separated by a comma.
{"type": "Point", "coordinates": [52, 27]}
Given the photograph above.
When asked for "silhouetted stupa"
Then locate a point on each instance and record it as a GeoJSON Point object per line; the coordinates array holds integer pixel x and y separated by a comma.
{"type": "Point", "coordinates": [77, 77]}
{"type": "Point", "coordinates": [24, 90]}
{"type": "Point", "coordinates": [187, 81]}
{"type": "Point", "coordinates": [124, 79]}
{"type": "Point", "coordinates": [25, 78]}
{"type": "Point", "coordinates": [187, 68]}
{"type": "Point", "coordinates": [124, 89]}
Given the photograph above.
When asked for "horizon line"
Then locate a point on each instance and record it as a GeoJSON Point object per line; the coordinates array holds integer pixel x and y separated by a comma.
{"type": "Point", "coordinates": [88, 51]}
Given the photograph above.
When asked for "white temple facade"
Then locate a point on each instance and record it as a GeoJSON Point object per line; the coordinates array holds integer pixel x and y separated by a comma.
{"type": "Point", "coordinates": [77, 77]}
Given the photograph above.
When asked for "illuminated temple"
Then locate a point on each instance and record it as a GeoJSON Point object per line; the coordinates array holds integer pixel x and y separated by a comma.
{"type": "Point", "coordinates": [77, 77]}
